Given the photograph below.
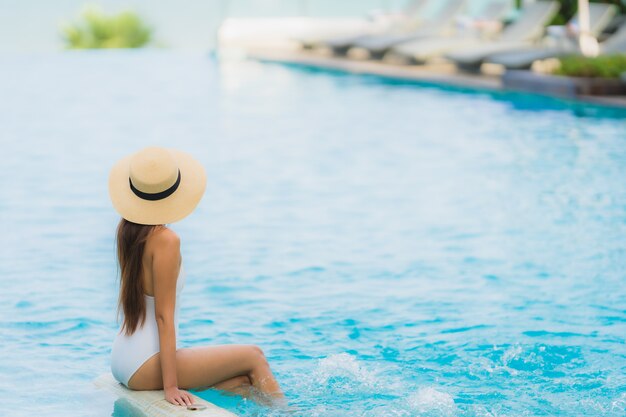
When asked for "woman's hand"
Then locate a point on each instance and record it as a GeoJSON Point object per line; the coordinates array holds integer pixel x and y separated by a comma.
{"type": "Point", "coordinates": [178, 396]}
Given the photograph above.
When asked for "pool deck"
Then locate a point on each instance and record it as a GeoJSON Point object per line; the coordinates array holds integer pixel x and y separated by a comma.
{"type": "Point", "coordinates": [442, 74]}
{"type": "Point", "coordinates": [277, 40]}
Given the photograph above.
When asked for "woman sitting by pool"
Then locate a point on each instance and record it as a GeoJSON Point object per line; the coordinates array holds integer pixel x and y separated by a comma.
{"type": "Point", "coordinates": [149, 189]}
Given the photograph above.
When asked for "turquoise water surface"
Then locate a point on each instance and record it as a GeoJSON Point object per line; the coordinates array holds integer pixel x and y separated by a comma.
{"type": "Point", "coordinates": [395, 249]}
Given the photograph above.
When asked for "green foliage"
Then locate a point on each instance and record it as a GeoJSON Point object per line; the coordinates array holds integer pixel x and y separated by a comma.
{"type": "Point", "coordinates": [97, 30]}
{"type": "Point", "coordinates": [570, 7]}
{"type": "Point", "coordinates": [605, 66]}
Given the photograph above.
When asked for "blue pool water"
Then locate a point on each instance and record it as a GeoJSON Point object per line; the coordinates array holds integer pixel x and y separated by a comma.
{"type": "Point", "coordinates": [396, 250]}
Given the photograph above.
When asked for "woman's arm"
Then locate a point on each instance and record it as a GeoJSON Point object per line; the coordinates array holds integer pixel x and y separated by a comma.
{"type": "Point", "coordinates": [165, 268]}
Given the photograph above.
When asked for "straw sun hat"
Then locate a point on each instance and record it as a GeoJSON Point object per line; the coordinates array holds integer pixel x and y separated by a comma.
{"type": "Point", "coordinates": [156, 185]}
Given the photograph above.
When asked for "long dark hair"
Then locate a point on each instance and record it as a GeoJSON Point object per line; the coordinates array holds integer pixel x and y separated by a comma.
{"type": "Point", "coordinates": [131, 242]}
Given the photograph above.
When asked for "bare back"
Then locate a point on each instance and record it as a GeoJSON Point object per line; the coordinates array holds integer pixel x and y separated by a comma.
{"type": "Point", "coordinates": [153, 244]}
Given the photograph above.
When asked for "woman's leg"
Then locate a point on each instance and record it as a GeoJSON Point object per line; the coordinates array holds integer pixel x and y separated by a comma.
{"type": "Point", "coordinates": [239, 385]}
{"type": "Point", "coordinates": [210, 365]}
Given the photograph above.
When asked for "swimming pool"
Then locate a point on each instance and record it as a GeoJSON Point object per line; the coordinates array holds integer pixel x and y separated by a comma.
{"type": "Point", "coordinates": [396, 250]}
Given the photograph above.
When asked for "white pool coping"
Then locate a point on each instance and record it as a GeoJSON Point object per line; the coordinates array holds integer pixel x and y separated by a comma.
{"type": "Point", "coordinates": [154, 404]}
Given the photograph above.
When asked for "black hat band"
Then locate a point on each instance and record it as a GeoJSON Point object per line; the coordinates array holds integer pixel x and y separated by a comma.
{"type": "Point", "coordinates": [155, 196]}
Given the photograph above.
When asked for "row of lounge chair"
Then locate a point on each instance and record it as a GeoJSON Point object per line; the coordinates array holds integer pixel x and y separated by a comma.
{"type": "Point", "coordinates": [419, 40]}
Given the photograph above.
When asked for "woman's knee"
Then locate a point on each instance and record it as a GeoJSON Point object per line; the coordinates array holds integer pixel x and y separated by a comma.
{"type": "Point", "coordinates": [258, 356]}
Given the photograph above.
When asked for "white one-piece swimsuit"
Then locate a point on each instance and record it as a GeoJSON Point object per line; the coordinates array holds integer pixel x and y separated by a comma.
{"type": "Point", "coordinates": [130, 352]}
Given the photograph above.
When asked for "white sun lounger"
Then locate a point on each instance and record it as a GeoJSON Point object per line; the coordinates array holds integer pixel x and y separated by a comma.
{"type": "Point", "coordinates": [528, 29]}
{"type": "Point", "coordinates": [422, 50]}
{"type": "Point", "coordinates": [379, 24]}
{"type": "Point", "coordinates": [378, 45]}
{"type": "Point", "coordinates": [434, 24]}
{"type": "Point", "coordinates": [600, 15]}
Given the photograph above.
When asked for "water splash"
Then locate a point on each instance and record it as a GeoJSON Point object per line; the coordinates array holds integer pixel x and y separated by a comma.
{"type": "Point", "coordinates": [342, 373]}
{"type": "Point", "coordinates": [428, 401]}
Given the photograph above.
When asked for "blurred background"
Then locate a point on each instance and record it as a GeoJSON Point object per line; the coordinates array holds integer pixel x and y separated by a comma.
{"type": "Point", "coordinates": [398, 246]}
{"type": "Point", "coordinates": [33, 25]}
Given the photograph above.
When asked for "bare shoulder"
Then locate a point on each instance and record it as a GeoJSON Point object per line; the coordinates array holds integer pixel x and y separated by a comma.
{"type": "Point", "coordinates": [162, 242]}
{"type": "Point", "coordinates": [165, 236]}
